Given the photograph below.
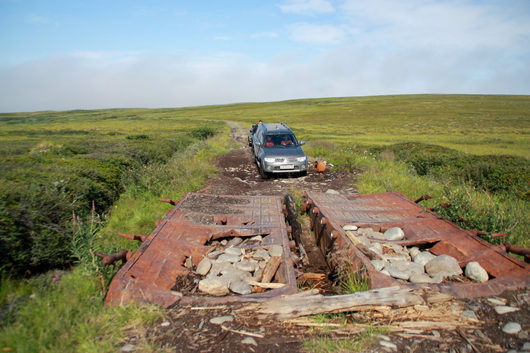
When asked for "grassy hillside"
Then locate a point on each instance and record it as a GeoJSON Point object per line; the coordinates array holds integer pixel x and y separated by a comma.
{"type": "Point", "coordinates": [470, 152]}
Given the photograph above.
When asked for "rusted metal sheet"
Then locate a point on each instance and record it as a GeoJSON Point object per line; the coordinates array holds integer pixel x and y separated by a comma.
{"type": "Point", "coordinates": [150, 274]}
{"type": "Point", "coordinates": [329, 213]}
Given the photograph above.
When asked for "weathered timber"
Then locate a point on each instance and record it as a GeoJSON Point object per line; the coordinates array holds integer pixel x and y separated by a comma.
{"type": "Point", "coordinates": [296, 228]}
{"type": "Point", "coordinates": [290, 307]}
{"type": "Point", "coordinates": [372, 255]}
{"type": "Point", "coordinates": [270, 269]}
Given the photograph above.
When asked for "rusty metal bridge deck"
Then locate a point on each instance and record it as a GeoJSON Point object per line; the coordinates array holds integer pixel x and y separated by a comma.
{"type": "Point", "coordinates": [329, 213]}
{"type": "Point", "coordinates": [150, 274]}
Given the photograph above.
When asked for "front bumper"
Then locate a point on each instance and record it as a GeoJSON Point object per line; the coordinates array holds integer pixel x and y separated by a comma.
{"type": "Point", "coordinates": [285, 166]}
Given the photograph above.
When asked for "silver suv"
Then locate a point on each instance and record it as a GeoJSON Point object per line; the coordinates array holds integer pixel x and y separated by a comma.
{"type": "Point", "coordinates": [276, 150]}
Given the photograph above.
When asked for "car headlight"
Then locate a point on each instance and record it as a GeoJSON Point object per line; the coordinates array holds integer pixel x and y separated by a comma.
{"type": "Point", "coordinates": [301, 159]}
{"type": "Point", "coordinates": [268, 160]}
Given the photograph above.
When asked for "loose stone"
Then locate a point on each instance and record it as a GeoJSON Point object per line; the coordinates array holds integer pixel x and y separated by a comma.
{"type": "Point", "coordinates": [377, 248]}
{"type": "Point", "coordinates": [444, 265]}
{"type": "Point", "coordinates": [350, 227]}
{"type": "Point", "coordinates": [526, 346]}
{"type": "Point", "coordinates": [214, 254]}
{"type": "Point", "coordinates": [332, 191]}
{"type": "Point", "coordinates": [394, 233]}
{"type": "Point", "coordinates": [261, 254]}
{"type": "Point", "coordinates": [246, 266]}
{"type": "Point", "coordinates": [249, 340]}
{"type": "Point", "coordinates": [421, 278]}
{"type": "Point", "coordinates": [497, 301]}
{"type": "Point", "coordinates": [257, 238]}
{"type": "Point", "coordinates": [408, 267]}
{"type": "Point", "coordinates": [240, 287]}
{"type": "Point", "coordinates": [221, 319]}
{"type": "Point", "coordinates": [214, 286]}
{"type": "Point", "coordinates": [502, 309]}
{"type": "Point", "coordinates": [233, 251]}
{"type": "Point", "coordinates": [423, 257]}
{"type": "Point", "coordinates": [414, 251]}
{"type": "Point", "coordinates": [228, 258]}
{"type": "Point", "coordinates": [475, 272]}
{"type": "Point", "coordinates": [378, 264]}
{"type": "Point", "coordinates": [276, 250]}
{"type": "Point", "coordinates": [469, 314]}
{"type": "Point", "coordinates": [511, 328]}
{"type": "Point", "coordinates": [370, 233]}
{"type": "Point", "coordinates": [396, 273]}
{"type": "Point", "coordinates": [127, 348]}
{"type": "Point", "coordinates": [387, 344]}
{"type": "Point", "coordinates": [204, 266]}
{"type": "Point", "coordinates": [165, 324]}
{"type": "Point", "coordinates": [234, 242]}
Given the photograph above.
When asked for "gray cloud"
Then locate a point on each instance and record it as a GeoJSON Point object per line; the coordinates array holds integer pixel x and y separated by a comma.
{"type": "Point", "coordinates": [186, 80]}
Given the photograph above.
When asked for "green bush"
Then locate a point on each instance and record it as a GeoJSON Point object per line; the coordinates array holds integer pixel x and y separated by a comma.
{"type": "Point", "coordinates": [491, 173]}
{"type": "Point", "coordinates": [202, 133]}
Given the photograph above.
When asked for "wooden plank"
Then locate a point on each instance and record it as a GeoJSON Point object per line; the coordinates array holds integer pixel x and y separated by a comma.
{"type": "Point", "coordinates": [290, 307]}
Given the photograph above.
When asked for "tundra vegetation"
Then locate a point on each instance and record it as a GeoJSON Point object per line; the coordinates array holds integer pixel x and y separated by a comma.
{"type": "Point", "coordinates": [69, 181]}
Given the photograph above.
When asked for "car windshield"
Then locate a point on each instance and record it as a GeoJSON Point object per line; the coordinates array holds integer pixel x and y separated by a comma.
{"type": "Point", "coordinates": [281, 140]}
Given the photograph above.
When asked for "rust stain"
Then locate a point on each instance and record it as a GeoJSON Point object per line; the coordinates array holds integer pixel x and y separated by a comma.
{"type": "Point", "coordinates": [150, 274]}
{"type": "Point", "coordinates": [329, 213]}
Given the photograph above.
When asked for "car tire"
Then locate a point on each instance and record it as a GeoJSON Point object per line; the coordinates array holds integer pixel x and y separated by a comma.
{"type": "Point", "coordinates": [304, 173]}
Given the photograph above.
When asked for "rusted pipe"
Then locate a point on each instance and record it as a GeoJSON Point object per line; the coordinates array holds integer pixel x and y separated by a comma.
{"type": "Point", "coordinates": [515, 250]}
{"type": "Point", "coordinates": [140, 237]}
{"type": "Point", "coordinates": [422, 198]}
{"type": "Point", "coordinates": [169, 201]}
{"type": "Point", "coordinates": [110, 259]}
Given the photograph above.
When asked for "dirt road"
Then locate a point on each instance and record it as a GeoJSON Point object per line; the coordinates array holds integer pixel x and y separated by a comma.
{"type": "Point", "coordinates": [450, 326]}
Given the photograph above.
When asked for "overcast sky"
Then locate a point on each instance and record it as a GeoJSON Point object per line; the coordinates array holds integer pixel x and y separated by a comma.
{"type": "Point", "coordinates": [129, 53]}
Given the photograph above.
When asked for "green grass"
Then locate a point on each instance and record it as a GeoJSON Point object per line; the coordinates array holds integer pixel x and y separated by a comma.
{"type": "Point", "coordinates": [54, 163]}
{"type": "Point", "coordinates": [69, 316]}
{"type": "Point", "coordinates": [359, 342]}
{"type": "Point", "coordinates": [351, 281]}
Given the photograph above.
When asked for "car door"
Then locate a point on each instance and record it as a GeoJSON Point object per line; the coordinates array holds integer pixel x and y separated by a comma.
{"type": "Point", "coordinates": [258, 138]}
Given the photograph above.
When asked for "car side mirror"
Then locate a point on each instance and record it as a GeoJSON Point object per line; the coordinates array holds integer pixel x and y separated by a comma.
{"type": "Point", "coordinates": [302, 142]}
{"type": "Point", "coordinates": [257, 143]}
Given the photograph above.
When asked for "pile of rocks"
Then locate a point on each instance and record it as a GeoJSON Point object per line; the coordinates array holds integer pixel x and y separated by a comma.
{"type": "Point", "coordinates": [232, 268]}
{"type": "Point", "coordinates": [409, 264]}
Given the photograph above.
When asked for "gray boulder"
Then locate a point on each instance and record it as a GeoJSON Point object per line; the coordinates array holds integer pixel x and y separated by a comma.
{"type": "Point", "coordinates": [214, 286]}
{"type": "Point", "coordinates": [394, 233]}
{"type": "Point", "coordinates": [276, 250]}
{"type": "Point", "coordinates": [475, 272]}
{"type": "Point", "coordinates": [246, 266]}
{"type": "Point", "coordinates": [396, 273]}
{"type": "Point", "coordinates": [443, 265]}
{"type": "Point", "coordinates": [261, 254]}
{"type": "Point", "coordinates": [408, 267]}
{"type": "Point", "coordinates": [204, 266]}
{"type": "Point", "coordinates": [420, 278]}
{"type": "Point", "coordinates": [240, 287]}
{"type": "Point", "coordinates": [233, 251]}
{"type": "Point", "coordinates": [414, 251]}
{"type": "Point", "coordinates": [423, 257]}
{"type": "Point", "coordinates": [228, 258]}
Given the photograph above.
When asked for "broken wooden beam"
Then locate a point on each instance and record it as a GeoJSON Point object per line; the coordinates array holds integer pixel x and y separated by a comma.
{"type": "Point", "coordinates": [288, 307]}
